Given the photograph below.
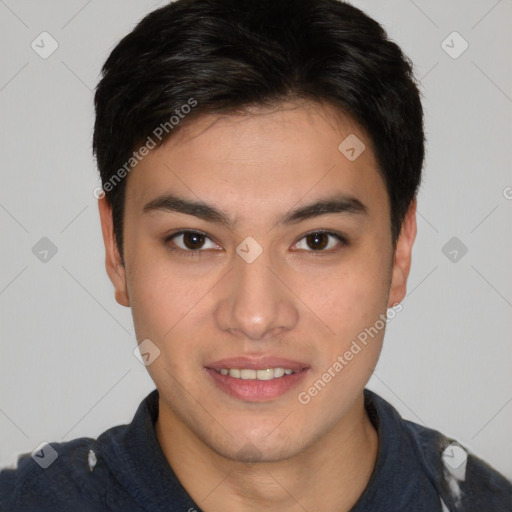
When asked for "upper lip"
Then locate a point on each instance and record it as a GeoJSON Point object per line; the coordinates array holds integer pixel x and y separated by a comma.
{"type": "Point", "coordinates": [257, 363]}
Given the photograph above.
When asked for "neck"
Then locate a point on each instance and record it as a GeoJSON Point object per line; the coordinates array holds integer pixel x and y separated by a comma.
{"type": "Point", "coordinates": [334, 471]}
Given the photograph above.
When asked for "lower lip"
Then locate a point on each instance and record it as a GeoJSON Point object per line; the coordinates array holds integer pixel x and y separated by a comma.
{"type": "Point", "coordinates": [254, 390]}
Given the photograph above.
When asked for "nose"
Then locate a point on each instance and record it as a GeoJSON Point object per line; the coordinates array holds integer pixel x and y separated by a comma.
{"type": "Point", "coordinates": [256, 304]}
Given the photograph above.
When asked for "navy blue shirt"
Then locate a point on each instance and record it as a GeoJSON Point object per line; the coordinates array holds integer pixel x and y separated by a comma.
{"type": "Point", "coordinates": [125, 470]}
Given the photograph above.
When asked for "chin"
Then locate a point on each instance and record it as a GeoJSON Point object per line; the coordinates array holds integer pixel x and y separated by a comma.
{"type": "Point", "coordinates": [251, 453]}
{"type": "Point", "coordinates": [246, 446]}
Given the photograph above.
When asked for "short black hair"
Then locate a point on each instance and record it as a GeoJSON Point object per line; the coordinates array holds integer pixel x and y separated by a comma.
{"type": "Point", "coordinates": [196, 57]}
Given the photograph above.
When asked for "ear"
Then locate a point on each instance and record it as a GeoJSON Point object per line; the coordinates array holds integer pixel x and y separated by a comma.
{"type": "Point", "coordinates": [115, 269]}
{"type": "Point", "coordinates": [402, 257]}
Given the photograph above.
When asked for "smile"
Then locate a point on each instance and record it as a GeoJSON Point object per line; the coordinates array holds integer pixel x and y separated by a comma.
{"type": "Point", "coordinates": [250, 374]}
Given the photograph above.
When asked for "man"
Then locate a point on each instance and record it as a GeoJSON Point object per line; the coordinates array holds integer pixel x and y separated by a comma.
{"type": "Point", "coordinates": [260, 163]}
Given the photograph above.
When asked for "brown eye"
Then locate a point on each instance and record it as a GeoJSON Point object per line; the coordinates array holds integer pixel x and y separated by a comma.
{"type": "Point", "coordinates": [317, 240]}
{"type": "Point", "coordinates": [193, 240]}
{"type": "Point", "coordinates": [321, 241]}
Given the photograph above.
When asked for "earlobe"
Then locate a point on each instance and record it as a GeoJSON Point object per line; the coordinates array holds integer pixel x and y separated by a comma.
{"type": "Point", "coordinates": [402, 257]}
{"type": "Point", "coordinates": [113, 263]}
{"type": "Point", "coordinates": [122, 298]}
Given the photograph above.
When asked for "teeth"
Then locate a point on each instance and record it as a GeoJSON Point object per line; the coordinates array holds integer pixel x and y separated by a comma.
{"type": "Point", "coordinates": [249, 374]}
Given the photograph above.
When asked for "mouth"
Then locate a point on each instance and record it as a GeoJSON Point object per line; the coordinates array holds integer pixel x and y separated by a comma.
{"type": "Point", "coordinates": [256, 380]}
{"type": "Point", "coordinates": [250, 374]}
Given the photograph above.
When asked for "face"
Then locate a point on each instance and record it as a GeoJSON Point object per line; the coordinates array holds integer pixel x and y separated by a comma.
{"type": "Point", "coordinates": [258, 294]}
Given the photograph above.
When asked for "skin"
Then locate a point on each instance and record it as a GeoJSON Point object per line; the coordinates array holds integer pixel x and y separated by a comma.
{"type": "Point", "coordinates": [293, 301]}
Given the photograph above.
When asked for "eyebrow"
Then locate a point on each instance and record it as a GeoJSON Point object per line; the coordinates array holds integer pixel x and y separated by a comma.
{"type": "Point", "coordinates": [338, 203]}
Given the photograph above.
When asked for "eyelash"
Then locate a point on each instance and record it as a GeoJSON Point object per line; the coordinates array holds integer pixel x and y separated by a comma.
{"type": "Point", "coordinates": [196, 253]}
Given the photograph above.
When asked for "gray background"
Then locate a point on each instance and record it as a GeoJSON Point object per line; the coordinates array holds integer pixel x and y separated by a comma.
{"type": "Point", "coordinates": [67, 368]}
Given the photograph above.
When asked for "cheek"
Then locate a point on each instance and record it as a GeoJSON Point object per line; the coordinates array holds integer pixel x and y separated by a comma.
{"type": "Point", "coordinates": [352, 296]}
{"type": "Point", "coordinates": [160, 295]}
{"type": "Point", "coordinates": [353, 304]}
{"type": "Point", "coordinates": [163, 302]}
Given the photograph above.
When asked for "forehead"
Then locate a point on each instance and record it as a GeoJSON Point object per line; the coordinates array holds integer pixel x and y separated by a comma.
{"type": "Point", "coordinates": [305, 127]}
{"type": "Point", "coordinates": [263, 156]}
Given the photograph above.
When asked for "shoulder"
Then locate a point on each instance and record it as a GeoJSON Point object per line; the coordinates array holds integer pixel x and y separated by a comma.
{"type": "Point", "coordinates": [465, 482]}
{"type": "Point", "coordinates": [85, 474]}
{"type": "Point", "coordinates": [57, 476]}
